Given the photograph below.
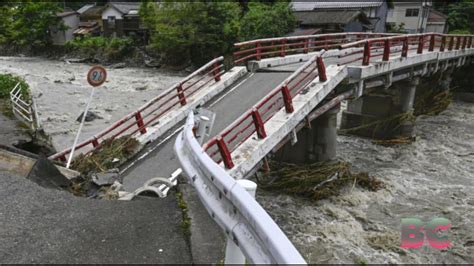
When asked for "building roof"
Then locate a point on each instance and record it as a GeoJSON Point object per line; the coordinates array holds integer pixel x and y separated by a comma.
{"type": "Point", "coordinates": [126, 7]}
{"type": "Point", "coordinates": [436, 16]}
{"type": "Point", "coordinates": [303, 32]}
{"type": "Point", "coordinates": [331, 4]}
{"type": "Point", "coordinates": [308, 18]}
{"type": "Point", "coordinates": [84, 9]}
{"type": "Point", "coordinates": [66, 14]}
{"type": "Point", "coordinates": [95, 11]}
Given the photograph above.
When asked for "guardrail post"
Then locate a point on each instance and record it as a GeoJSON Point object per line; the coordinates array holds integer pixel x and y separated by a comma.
{"type": "Point", "coordinates": [366, 58]}
{"type": "Point", "coordinates": [225, 154]}
{"type": "Point", "coordinates": [283, 48]}
{"type": "Point", "coordinates": [405, 47]}
{"type": "Point", "coordinates": [181, 97]}
{"type": "Point", "coordinates": [287, 99]}
{"type": "Point", "coordinates": [443, 44]}
{"type": "Point", "coordinates": [386, 50]}
{"type": "Point", "coordinates": [458, 42]}
{"type": "Point", "coordinates": [259, 56]}
{"type": "Point", "coordinates": [432, 43]}
{"type": "Point", "coordinates": [95, 143]}
{"type": "Point", "coordinates": [469, 42]}
{"type": "Point", "coordinates": [451, 43]}
{"type": "Point", "coordinates": [216, 72]}
{"type": "Point", "coordinates": [464, 42]}
{"type": "Point", "coordinates": [321, 69]}
{"type": "Point", "coordinates": [306, 46]}
{"type": "Point", "coordinates": [259, 125]}
{"type": "Point", "coordinates": [62, 158]}
{"type": "Point", "coordinates": [421, 44]}
{"type": "Point", "coordinates": [140, 124]}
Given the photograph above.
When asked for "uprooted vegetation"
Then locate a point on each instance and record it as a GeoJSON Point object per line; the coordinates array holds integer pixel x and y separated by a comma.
{"type": "Point", "coordinates": [315, 181]}
{"type": "Point", "coordinates": [111, 154]}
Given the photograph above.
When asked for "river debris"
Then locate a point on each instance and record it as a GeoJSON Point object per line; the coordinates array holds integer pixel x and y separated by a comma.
{"type": "Point", "coordinates": [395, 141]}
{"type": "Point", "coordinates": [105, 157]}
{"type": "Point", "coordinates": [432, 102]}
{"type": "Point", "coordinates": [315, 181]}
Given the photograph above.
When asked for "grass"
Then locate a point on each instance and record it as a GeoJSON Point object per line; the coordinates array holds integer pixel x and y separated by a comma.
{"type": "Point", "coordinates": [312, 180]}
{"type": "Point", "coordinates": [186, 223]}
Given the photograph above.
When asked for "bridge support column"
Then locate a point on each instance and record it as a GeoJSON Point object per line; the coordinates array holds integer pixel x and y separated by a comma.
{"type": "Point", "coordinates": [383, 114]}
{"type": "Point", "coordinates": [446, 78]}
{"type": "Point", "coordinates": [407, 100]}
{"type": "Point", "coordinates": [315, 144]}
{"type": "Point", "coordinates": [325, 136]}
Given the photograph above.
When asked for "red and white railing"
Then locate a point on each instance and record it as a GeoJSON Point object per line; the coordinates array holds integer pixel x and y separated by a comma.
{"type": "Point", "coordinates": [173, 98]}
{"type": "Point", "coordinates": [281, 47]}
{"type": "Point", "coordinates": [220, 148]}
{"type": "Point", "coordinates": [401, 45]}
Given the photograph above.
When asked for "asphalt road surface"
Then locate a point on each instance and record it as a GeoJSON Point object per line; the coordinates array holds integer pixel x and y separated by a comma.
{"type": "Point", "coordinates": [161, 160]}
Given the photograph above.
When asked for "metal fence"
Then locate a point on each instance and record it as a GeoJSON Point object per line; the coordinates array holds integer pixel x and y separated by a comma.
{"type": "Point", "coordinates": [24, 109]}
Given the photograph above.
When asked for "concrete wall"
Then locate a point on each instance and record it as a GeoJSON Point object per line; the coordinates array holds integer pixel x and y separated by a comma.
{"type": "Point", "coordinates": [397, 15]}
{"type": "Point", "coordinates": [438, 27]}
{"type": "Point", "coordinates": [60, 37]}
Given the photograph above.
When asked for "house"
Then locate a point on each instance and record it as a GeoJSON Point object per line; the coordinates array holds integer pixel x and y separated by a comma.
{"type": "Point", "coordinates": [122, 19]}
{"type": "Point", "coordinates": [342, 16]}
{"type": "Point", "coordinates": [90, 17]}
{"type": "Point", "coordinates": [413, 14]}
{"type": "Point", "coordinates": [437, 22]}
{"type": "Point", "coordinates": [61, 35]}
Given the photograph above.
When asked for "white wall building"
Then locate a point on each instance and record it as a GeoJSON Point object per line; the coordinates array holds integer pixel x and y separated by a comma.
{"type": "Point", "coordinates": [71, 20]}
{"type": "Point", "coordinates": [413, 14]}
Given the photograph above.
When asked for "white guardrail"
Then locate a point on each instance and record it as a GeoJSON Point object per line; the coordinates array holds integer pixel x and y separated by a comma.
{"type": "Point", "coordinates": [24, 111]}
{"type": "Point", "coordinates": [243, 220]}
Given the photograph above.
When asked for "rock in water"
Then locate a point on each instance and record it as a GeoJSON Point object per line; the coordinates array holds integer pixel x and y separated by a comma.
{"type": "Point", "coordinates": [118, 65]}
{"type": "Point", "coordinates": [91, 116]}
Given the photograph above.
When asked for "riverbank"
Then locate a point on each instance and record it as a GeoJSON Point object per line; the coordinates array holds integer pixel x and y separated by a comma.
{"type": "Point", "coordinates": [432, 177]}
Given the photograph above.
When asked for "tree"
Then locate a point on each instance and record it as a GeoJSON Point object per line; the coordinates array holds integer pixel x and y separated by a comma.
{"type": "Point", "coordinates": [6, 20]}
{"type": "Point", "coordinates": [31, 22]}
{"type": "Point", "coordinates": [460, 16]}
{"type": "Point", "coordinates": [264, 20]}
{"type": "Point", "coordinates": [195, 31]}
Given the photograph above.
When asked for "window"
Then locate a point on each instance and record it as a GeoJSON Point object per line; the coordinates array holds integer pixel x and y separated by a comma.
{"type": "Point", "coordinates": [412, 12]}
{"type": "Point", "coordinates": [111, 22]}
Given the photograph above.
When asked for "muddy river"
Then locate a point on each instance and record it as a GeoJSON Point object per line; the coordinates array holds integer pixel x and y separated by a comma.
{"type": "Point", "coordinates": [433, 177]}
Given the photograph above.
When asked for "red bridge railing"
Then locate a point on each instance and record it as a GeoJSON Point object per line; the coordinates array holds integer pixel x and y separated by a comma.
{"type": "Point", "coordinates": [149, 113]}
{"type": "Point", "coordinates": [280, 47]}
{"type": "Point", "coordinates": [221, 146]}
{"type": "Point", "coordinates": [389, 47]}
{"type": "Point", "coordinates": [362, 48]}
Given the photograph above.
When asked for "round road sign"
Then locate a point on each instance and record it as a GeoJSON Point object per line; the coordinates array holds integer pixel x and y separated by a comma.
{"type": "Point", "coordinates": [96, 76]}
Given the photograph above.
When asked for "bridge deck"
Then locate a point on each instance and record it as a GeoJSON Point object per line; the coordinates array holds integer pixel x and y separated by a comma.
{"type": "Point", "coordinates": [160, 159]}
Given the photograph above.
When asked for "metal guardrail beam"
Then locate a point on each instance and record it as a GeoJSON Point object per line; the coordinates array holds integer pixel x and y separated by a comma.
{"type": "Point", "coordinates": [234, 210]}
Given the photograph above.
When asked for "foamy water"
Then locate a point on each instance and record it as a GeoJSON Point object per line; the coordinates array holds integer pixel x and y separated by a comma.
{"type": "Point", "coordinates": [433, 177]}
{"type": "Point", "coordinates": [61, 92]}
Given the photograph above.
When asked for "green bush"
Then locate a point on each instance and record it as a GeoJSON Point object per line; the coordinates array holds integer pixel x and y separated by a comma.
{"type": "Point", "coordinates": [264, 21]}
{"type": "Point", "coordinates": [8, 82]}
{"type": "Point", "coordinates": [112, 48]}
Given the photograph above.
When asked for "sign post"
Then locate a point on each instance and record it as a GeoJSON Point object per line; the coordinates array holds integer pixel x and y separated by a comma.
{"type": "Point", "coordinates": [96, 77]}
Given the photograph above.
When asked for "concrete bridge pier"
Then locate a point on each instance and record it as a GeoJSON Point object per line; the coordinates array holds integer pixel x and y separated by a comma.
{"type": "Point", "coordinates": [315, 143]}
{"type": "Point", "coordinates": [446, 78]}
{"type": "Point", "coordinates": [407, 100]}
{"type": "Point", "coordinates": [383, 114]}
